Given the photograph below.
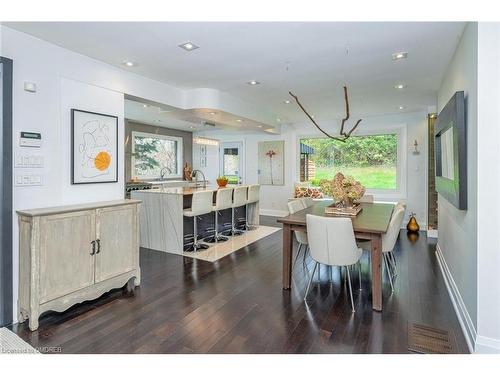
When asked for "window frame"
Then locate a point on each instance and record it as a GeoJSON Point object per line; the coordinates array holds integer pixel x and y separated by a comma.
{"type": "Point", "coordinates": [179, 155]}
{"type": "Point", "coordinates": [401, 162]}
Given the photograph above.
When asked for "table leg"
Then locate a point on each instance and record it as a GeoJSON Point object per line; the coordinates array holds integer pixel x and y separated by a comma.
{"type": "Point", "coordinates": [287, 256]}
{"type": "Point", "coordinates": [376, 272]}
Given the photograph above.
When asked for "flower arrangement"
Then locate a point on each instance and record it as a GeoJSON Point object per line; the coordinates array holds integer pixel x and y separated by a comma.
{"type": "Point", "coordinates": [222, 181]}
{"type": "Point", "coordinates": [270, 154]}
{"type": "Point", "coordinates": [344, 189]}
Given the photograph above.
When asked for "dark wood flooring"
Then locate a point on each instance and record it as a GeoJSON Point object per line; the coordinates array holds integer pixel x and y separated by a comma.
{"type": "Point", "coordinates": [237, 305]}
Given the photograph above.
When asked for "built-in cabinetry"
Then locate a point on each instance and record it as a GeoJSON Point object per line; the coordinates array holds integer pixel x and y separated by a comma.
{"type": "Point", "coordinates": [71, 254]}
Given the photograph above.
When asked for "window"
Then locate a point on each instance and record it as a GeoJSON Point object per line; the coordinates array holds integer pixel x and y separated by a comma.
{"type": "Point", "coordinates": [155, 156]}
{"type": "Point", "coordinates": [371, 159]}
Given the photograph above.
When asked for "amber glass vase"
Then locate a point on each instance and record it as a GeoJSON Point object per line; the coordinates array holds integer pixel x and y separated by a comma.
{"type": "Point", "coordinates": [412, 225]}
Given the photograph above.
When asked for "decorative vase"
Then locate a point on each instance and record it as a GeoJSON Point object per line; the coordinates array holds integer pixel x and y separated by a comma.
{"type": "Point", "coordinates": [412, 225]}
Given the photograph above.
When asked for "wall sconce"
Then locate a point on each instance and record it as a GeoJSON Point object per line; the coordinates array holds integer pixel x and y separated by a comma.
{"type": "Point", "coordinates": [416, 151]}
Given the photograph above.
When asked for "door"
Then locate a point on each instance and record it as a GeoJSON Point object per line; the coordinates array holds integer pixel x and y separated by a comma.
{"type": "Point", "coordinates": [5, 191]}
{"type": "Point", "coordinates": [231, 162]}
{"type": "Point", "coordinates": [66, 260]}
{"type": "Point", "coordinates": [117, 235]}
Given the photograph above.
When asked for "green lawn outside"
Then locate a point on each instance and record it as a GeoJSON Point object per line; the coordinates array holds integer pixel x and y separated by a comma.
{"type": "Point", "coordinates": [376, 177]}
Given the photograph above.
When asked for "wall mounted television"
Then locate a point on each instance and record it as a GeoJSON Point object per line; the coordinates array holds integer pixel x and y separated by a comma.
{"type": "Point", "coordinates": [451, 152]}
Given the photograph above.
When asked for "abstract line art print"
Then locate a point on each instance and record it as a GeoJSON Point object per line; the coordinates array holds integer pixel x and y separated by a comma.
{"type": "Point", "coordinates": [94, 139]}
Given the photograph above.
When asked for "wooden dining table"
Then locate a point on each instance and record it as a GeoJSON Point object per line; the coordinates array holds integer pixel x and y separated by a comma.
{"type": "Point", "coordinates": [370, 224]}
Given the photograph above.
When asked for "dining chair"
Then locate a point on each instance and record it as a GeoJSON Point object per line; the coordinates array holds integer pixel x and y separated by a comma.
{"type": "Point", "coordinates": [367, 198]}
{"type": "Point", "coordinates": [389, 241]}
{"type": "Point", "coordinates": [332, 242]}
{"type": "Point", "coordinates": [307, 202]}
{"type": "Point", "coordinates": [301, 237]}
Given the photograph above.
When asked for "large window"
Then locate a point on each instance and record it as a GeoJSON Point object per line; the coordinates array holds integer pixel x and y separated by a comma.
{"type": "Point", "coordinates": [155, 156]}
{"type": "Point", "coordinates": [372, 160]}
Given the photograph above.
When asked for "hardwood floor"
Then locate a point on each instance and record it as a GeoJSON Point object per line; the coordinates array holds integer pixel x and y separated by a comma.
{"type": "Point", "coordinates": [237, 305]}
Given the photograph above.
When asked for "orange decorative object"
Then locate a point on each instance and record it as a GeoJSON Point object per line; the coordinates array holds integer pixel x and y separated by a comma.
{"type": "Point", "coordinates": [412, 225]}
{"type": "Point", "coordinates": [102, 160]}
{"type": "Point", "coordinates": [222, 181]}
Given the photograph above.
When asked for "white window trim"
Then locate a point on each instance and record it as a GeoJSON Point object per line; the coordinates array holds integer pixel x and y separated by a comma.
{"type": "Point", "coordinates": [401, 166]}
{"type": "Point", "coordinates": [179, 157]}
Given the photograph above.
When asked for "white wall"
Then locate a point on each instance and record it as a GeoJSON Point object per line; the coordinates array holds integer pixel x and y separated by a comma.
{"type": "Point", "coordinates": [458, 229]}
{"type": "Point", "coordinates": [488, 199]}
{"type": "Point", "coordinates": [412, 126]}
{"type": "Point", "coordinates": [64, 80]}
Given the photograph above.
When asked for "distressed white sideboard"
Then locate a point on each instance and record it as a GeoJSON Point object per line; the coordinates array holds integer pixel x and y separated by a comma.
{"type": "Point", "coordinates": [71, 254]}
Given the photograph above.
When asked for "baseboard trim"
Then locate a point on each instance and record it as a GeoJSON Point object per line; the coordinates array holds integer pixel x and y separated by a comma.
{"type": "Point", "coordinates": [458, 303]}
{"type": "Point", "coordinates": [275, 213]}
{"type": "Point", "coordinates": [487, 345]}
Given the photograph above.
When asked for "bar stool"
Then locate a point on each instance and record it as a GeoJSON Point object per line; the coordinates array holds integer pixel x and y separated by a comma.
{"type": "Point", "coordinates": [223, 201]}
{"type": "Point", "coordinates": [239, 200]}
{"type": "Point", "coordinates": [200, 205]}
{"type": "Point", "coordinates": [252, 197]}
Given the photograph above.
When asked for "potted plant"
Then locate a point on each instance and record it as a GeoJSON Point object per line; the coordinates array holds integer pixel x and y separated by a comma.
{"type": "Point", "coordinates": [222, 181]}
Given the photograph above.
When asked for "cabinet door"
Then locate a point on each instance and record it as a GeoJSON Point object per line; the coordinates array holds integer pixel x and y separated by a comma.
{"type": "Point", "coordinates": [66, 262]}
{"type": "Point", "coordinates": [116, 229]}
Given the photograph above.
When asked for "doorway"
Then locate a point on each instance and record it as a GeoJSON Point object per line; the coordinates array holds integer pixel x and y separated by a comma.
{"type": "Point", "coordinates": [6, 191]}
{"type": "Point", "coordinates": [231, 162]}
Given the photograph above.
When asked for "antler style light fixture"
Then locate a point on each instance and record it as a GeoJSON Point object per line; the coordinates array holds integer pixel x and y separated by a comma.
{"type": "Point", "coordinates": [343, 134]}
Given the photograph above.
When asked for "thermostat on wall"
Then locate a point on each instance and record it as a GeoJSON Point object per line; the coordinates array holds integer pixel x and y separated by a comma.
{"type": "Point", "coordinates": [30, 139]}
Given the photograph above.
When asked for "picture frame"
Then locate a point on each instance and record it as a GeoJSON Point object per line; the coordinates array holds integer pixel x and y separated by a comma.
{"type": "Point", "coordinates": [94, 147]}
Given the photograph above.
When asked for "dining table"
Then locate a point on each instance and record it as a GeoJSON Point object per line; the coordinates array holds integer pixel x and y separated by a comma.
{"type": "Point", "coordinates": [371, 223]}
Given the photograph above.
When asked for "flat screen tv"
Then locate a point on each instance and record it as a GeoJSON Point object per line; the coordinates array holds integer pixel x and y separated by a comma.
{"type": "Point", "coordinates": [451, 152]}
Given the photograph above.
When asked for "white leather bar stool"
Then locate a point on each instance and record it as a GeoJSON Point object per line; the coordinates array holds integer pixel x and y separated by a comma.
{"type": "Point", "coordinates": [253, 196]}
{"type": "Point", "coordinates": [223, 201]}
{"type": "Point", "coordinates": [200, 205]}
{"type": "Point", "coordinates": [239, 200]}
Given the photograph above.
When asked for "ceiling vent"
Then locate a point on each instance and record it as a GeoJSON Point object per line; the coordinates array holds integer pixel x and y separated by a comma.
{"type": "Point", "coordinates": [206, 123]}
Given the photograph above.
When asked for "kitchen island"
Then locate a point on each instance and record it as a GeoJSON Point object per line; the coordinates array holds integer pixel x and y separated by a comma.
{"type": "Point", "coordinates": [163, 226]}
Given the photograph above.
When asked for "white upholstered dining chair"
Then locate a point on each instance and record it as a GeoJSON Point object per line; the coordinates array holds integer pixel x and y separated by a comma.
{"type": "Point", "coordinates": [389, 241]}
{"type": "Point", "coordinates": [332, 242]}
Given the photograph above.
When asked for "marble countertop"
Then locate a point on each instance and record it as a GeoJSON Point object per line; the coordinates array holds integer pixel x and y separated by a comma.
{"type": "Point", "coordinates": [176, 190]}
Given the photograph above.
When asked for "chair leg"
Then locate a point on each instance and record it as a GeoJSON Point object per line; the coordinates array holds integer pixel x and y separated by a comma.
{"type": "Point", "coordinates": [330, 268]}
{"type": "Point", "coordinates": [196, 244]}
{"type": "Point", "coordinates": [310, 281]}
{"type": "Point", "coordinates": [386, 264]}
{"type": "Point", "coordinates": [392, 259]}
{"type": "Point", "coordinates": [305, 253]}
{"type": "Point", "coordinates": [298, 253]}
{"type": "Point", "coordinates": [359, 274]}
{"type": "Point", "coordinates": [319, 273]}
{"type": "Point", "coordinates": [350, 288]}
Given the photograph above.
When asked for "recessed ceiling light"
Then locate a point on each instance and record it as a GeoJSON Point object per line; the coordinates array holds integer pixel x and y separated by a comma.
{"type": "Point", "coordinates": [401, 107]}
{"type": "Point", "coordinates": [145, 105]}
{"type": "Point", "coordinates": [188, 46]}
{"type": "Point", "coordinates": [400, 86]}
{"type": "Point", "coordinates": [130, 64]}
{"type": "Point", "coordinates": [253, 82]}
{"type": "Point", "coordinates": [239, 120]}
{"type": "Point", "coordinates": [399, 55]}
{"type": "Point", "coordinates": [312, 116]}
{"type": "Point", "coordinates": [278, 119]}
{"type": "Point", "coordinates": [212, 113]}
{"type": "Point", "coordinates": [260, 126]}
{"type": "Point", "coordinates": [287, 101]}
{"type": "Point", "coordinates": [191, 127]}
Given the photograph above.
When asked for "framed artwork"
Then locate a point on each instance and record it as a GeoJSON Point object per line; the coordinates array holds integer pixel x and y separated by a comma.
{"type": "Point", "coordinates": [271, 163]}
{"type": "Point", "coordinates": [94, 147]}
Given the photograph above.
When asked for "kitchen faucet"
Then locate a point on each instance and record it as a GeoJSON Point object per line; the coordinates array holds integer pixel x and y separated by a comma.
{"type": "Point", "coordinates": [162, 172]}
{"type": "Point", "coordinates": [194, 174]}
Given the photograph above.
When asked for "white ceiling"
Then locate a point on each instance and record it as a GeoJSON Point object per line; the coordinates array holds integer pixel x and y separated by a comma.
{"type": "Point", "coordinates": [231, 54]}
